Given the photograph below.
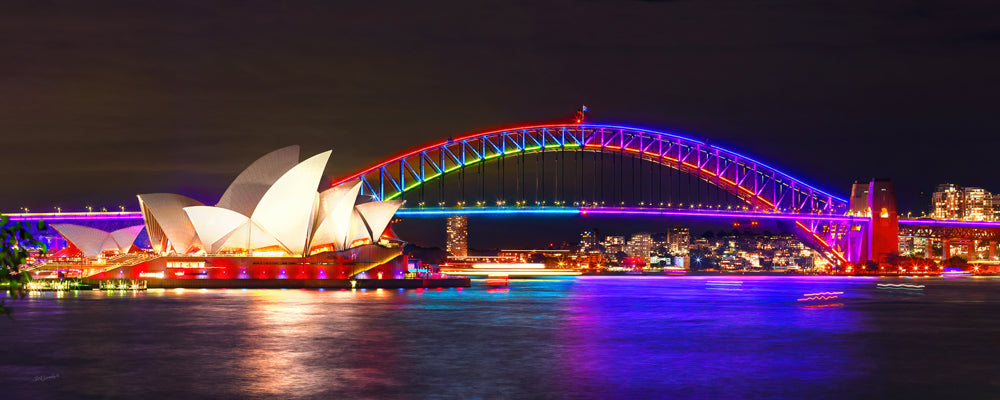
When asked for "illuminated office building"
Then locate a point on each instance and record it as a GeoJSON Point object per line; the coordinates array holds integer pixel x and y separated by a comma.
{"type": "Point", "coordinates": [680, 239]}
{"type": "Point", "coordinates": [458, 236]}
{"type": "Point", "coordinates": [946, 202]}
{"type": "Point", "coordinates": [996, 207]}
{"type": "Point", "coordinates": [614, 244]}
{"type": "Point", "coordinates": [954, 202]}
{"type": "Point", "coordinates": [978, 205]}
{"type": "Point", "coordinates": [640, 245]}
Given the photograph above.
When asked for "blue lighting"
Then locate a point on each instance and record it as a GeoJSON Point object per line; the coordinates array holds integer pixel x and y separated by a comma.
{"type": "Point", "coordinates": [692, 213]}
{"type": "Point", "coordinates": [740, 155]}
{"type": "Point", "coordinates": [484, 211]}
{"type": "Point", "coordinates": [558, 142]}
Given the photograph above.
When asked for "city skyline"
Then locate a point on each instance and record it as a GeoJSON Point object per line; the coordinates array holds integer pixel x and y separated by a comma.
{"type": "Point", "coordinates": [594, 199]}
{"type": "Point", "coordinates": [772, 96]}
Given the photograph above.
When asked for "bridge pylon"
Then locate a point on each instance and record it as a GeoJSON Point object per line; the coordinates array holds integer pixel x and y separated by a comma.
{"type": "Point", "coordinates": [876, 200]}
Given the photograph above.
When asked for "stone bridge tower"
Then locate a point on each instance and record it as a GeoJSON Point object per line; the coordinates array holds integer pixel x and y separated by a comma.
{"type": "Point", "coordinates": [877, 201]}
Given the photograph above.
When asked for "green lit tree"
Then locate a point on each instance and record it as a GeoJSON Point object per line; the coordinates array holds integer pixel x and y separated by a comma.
{"type": "Point", "coordinates": [16, 244]}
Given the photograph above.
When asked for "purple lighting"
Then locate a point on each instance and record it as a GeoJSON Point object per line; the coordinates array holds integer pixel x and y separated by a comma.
{"type": "Point", "coordinates": [719, 214]}
{"type": "Point", "coordinates": [623, 211]}
{"type": "Point", "coordinates": [79, 216]}
{"type": "Point", "coordinates": [744, 157]}
{"type": "Point", "coordinates": [729, 170]}
{"type": "Point", "coordinates": [949, 223]}
{"type": "Point", "coordinates": [434, 212]}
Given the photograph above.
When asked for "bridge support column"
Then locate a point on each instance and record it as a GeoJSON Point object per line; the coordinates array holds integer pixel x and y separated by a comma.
{"type": "Point", "coordinates": [993, 250]}
{"type": "Point", "coordinates": [973, 246]}
{"type": "Point", "coordinates": [883, 230]}
{"type": "Point", "coordinates": [877, 201]}
{"type": "Point", "coordinates": [929, 246]}
{"type": "Point", "coordinates": [945, 249]}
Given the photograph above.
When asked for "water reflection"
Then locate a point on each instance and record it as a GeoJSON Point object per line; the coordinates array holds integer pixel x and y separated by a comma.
{"type": "Point", "coordinates": [277, 360]}
{"type": "Point", "coordinates": [588, 337]}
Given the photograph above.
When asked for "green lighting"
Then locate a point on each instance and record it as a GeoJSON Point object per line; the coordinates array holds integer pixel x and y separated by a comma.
{"type": "Point", "coordinates": [467, 163]}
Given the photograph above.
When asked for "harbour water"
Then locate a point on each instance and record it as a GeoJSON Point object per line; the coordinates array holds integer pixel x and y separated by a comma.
{"type": "Point", "coordinates": [585, 337]}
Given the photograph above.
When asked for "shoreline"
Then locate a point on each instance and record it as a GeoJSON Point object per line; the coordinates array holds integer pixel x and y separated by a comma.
{"type": "Point", "coordinates": [418, 283]}
{"type": "Point", "coordinates": [716, 273]}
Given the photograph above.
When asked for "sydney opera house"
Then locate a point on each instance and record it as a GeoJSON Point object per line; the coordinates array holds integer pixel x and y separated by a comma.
{"type": "Point", "coordinates": [271, 223]}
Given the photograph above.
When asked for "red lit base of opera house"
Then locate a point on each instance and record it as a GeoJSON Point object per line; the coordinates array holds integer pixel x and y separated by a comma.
{"type": "Point", "coordinates": [367, 266]}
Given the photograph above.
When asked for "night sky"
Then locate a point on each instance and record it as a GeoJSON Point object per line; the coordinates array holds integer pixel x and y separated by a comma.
{"type": "Point", "coordinates": [102, 101]}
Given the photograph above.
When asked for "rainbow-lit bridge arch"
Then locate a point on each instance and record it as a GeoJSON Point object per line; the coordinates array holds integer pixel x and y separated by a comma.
{"type": "Point", "coordinates": [760, 186]}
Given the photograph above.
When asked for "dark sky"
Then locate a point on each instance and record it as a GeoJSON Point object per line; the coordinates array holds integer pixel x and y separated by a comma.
{"type": "Point", "coordinates": [101, 101]}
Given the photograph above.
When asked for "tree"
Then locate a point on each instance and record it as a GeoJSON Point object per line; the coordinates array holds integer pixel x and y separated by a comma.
{"type": "Point", "coordinates": [956, 262]}
{"type": "Point", "coordinates": [700, 259]}
{"type": "Point", "coordinates": [16, 244]}
{"type": "Point", "coordinates": [894, 258]}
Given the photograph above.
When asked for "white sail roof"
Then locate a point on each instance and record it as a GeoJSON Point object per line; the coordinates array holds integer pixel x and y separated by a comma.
{"type": "Point", "coordinates": [273, 203]}
{"type": "Point", "coordinates": [250, 236]}
{"type": "Point", "coordinates": [249, 187]}
{"type": "Point", "coordinates": [125, 237]}
{"type": "Point", "coordinates": [359, 231]}
{"type": "Point", "coordinates": [377, 215]}
{"type": "Point", "coordinates": [334, 215]}
{"type": "Point", "coordinates": [89, 240]}
{"type": "Point", "coordinates": [92, 242]}
{"type": "Point", "coordinates": [169, 218]}
{"type": "Point", "coordinates": [214, 225]}
{"type": "Point", "coordinates": [287, 209]}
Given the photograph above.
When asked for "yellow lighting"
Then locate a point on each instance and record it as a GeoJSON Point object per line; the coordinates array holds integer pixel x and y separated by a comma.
{"type": "Point", "coordinates": [509, 266]}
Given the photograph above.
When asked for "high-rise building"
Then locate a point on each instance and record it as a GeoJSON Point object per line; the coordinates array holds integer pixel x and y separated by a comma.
{"type": "Point", "coordinates": [680, 239]}
{"type": "Point", "coordinates": [996, 207]}
{"type": "Point", "coordinates": [954, 202]}
{"type": "Point", "coordinates": [978, 205]}
{"type": "Point", "coordinates": [614, 244]}
{"type": "Point", "coordinates": [640, 245]}
{"type": "Point", "coordinates": [458, 236]}
{"type": "Point", "coordinates": [947, 202]}
{"type": "Point", "coordinates": [588, 239]}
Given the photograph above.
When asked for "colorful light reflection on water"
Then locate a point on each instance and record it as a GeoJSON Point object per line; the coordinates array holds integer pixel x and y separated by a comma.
{"type": "Point", "coordinates": [586, 337]}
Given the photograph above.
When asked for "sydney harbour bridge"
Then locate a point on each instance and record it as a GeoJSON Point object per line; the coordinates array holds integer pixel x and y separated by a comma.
{"type": "Point", "coordinates": [593, 169]}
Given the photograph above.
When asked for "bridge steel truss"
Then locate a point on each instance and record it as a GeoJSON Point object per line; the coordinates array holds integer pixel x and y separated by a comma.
{"type": "Point", "coordinates": [759, 185]}
{"type": "Point", "coordinates": [969, 233]}
{"type": "Point", "coordinates": [954, 233]}
{"type": "Point", "coordinates": [762, 187]}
